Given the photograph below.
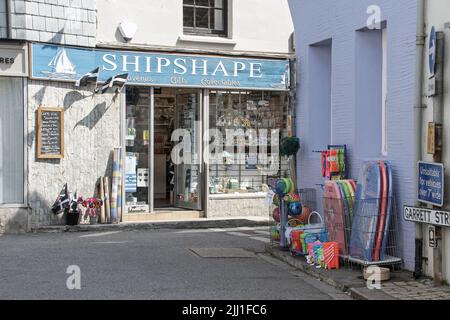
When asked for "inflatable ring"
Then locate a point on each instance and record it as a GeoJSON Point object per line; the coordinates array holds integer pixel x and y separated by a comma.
{"type": "Point", "coordinates": [288, 185]}
{"type": "Point", "coordinates": [291, 185]}
{"type": "Point", "coordinates": [281, 187]}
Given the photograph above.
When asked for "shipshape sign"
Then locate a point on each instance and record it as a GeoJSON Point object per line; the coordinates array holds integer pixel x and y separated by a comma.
{"type": "Point", "coordinates": [427, 216]}
{"type": "Point", "coordinates": [160, 69]}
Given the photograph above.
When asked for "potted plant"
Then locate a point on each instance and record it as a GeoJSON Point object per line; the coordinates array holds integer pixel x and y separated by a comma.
{"type": "Point", "coordinates": [92, 206]}
{"type": "Point", "coordinates": [73, 212]}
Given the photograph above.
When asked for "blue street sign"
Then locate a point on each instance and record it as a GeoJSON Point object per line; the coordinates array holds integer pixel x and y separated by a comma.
{"type": "Point", "coordinates": [432, 52]}
{"type": "Point", "coordinates": [431, 183]}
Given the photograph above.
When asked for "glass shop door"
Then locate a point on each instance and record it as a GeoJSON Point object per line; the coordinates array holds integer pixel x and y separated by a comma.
{"type": "Point", "coordinates": [187, 151]}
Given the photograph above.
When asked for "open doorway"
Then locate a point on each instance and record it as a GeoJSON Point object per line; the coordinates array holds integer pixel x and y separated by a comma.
{"type": "Point", "coordinates": [175, 185]}
{"type": "Point", "coordinates": [178, 184]}
{"type": "Point", "coordinates": [164, 123]}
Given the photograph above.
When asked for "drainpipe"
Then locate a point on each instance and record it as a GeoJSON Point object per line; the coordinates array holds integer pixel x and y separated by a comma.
{"type": "Point", "coordinates": [438, 109]}
{"type": "Point", "coordinates": [418, 116]}
{"type": "Point", "coordinates": [8, 19]}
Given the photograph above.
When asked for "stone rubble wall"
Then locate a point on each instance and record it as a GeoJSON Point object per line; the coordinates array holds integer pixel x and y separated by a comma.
{"type": "Point", "coordinates": [14, 220]}
{"type": "Point", "coordinates": [222, 208]}
{"type": "Point", "coordinates": [92, 130]}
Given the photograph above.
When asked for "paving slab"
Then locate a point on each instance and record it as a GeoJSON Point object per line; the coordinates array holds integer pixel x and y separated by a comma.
{"type": "Point", "coordinates": [348, 279]}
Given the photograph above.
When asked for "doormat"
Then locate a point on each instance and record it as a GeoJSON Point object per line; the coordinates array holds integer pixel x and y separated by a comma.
{"type": "Point", "coordinates": [224, 253]}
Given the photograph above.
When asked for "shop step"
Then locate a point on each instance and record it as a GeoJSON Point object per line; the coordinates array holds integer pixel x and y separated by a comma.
{"type": "Point", "coordinates": [162, 216]}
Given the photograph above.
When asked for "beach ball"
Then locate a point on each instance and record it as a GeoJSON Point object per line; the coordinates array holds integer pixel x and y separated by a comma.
{"type": "Point", "coordinates": [276, 215]}
{"type": "Point", "coordinates": [295, 208]}
{"type": "Point", "coordinates": [306, 212]}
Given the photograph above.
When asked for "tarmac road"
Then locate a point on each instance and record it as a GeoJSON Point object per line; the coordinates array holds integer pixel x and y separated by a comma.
{"type": "Point", "coordinates": [149, 265]}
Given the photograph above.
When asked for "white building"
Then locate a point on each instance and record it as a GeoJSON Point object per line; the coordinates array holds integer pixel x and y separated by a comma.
{"type": "Point", "coordinates": [192, 58]}
{"type": "Point", "coordinates": [436, 14]}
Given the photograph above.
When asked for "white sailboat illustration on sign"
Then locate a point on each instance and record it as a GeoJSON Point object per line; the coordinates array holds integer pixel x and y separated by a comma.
{"type": "Point", "coordinates": [61, 65]}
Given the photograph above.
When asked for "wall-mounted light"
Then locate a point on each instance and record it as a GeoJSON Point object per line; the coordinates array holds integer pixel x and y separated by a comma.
{"type": "Point", "coordinates": [128, 30]}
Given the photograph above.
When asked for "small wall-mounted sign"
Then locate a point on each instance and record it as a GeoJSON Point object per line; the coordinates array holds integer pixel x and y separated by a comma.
{"type": "Point", "coordinates": [434, 138]}
{"type": "Point", "coordinates": [432, 53]}
{"type": "Point", "coordinates": [431, 87]}
{"type": "Point", "coordinates": [431, 84]}
{"type": "Point", "coordinates": [432, 239]}
{"type": "Point", "coordinates": [50, 133]}
{"type": "Point", "coordinates": [431, 183]}
{"type": "Point", "coordinates": [431, 145]}
{"type": "Point", "coordinates": [13, 60]}
{"type": "Point", "coordinates": [427, 216]}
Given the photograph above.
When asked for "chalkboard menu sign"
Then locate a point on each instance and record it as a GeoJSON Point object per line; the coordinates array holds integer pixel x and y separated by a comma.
{"type": "Point", "coordinates": [50, 134]}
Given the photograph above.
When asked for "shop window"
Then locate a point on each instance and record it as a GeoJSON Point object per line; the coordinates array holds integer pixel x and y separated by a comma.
{"type": "Point", "coordinates": [205, 17]}
{"type": "Point", "coordinates": [11, 141]}
{"type": "Point", "coordinates": [137, 173]}
{"type": "Point", "coordinates": [320, 117]}
{"type": "Point", "coordinates": [371, 93]}
{"type": "Point", "coordinates": [257, 119]}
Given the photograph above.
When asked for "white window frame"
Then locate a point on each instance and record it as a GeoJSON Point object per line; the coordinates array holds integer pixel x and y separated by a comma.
{"type": "Point", "coordinates": [24, 204]}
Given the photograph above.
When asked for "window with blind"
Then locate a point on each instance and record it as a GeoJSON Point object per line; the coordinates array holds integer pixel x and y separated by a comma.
{"type": "Point", "coordinates": [11, 141]}
{"type": "Point", "coordinates": [205, 17]}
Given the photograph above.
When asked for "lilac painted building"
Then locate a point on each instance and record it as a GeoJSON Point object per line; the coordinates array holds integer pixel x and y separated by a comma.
{"type": "Point", "coordinates": [356, 86]}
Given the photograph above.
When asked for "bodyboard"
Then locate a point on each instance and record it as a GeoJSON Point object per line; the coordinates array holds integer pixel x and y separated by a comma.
{"type": "Point", "coordinates": [107, 200]}
{"type": "Point", "coordinates": [102, 197]}
{"type": "Point", "coordinates": [115, 186]}
{"type": "Point", "coordinates": [382, 214]}
{"type": "Point", "coordinates": [366, 212]}
{"type": "Point", "coordinates": [389, 210]}
{"type": "Point", "coordinates": [334, 214]}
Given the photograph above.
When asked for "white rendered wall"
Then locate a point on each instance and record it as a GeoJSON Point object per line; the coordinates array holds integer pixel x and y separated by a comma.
{"type": "Point", "coordinates": [438, 14]}
{"type": "Point", "coordinates": [256, 25]}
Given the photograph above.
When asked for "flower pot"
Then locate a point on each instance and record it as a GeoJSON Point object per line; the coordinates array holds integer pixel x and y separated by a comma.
{"type": "Point", "coordinates": [93, 220]}
{"type": "Point", "coordinates": [72, 218]}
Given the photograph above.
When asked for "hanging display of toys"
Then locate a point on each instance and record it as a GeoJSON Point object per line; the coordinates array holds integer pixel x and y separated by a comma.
{"type": "Point", "coordinates": [334, 162]}
{"type": "Point", "coordinates": [295, 231]}
{"type": "Point", "coordinates": [283, 187]}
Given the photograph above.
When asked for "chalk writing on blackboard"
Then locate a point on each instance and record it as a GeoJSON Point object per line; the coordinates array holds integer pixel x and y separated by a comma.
{"type": "Point", "coordinates": [50, 133]}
